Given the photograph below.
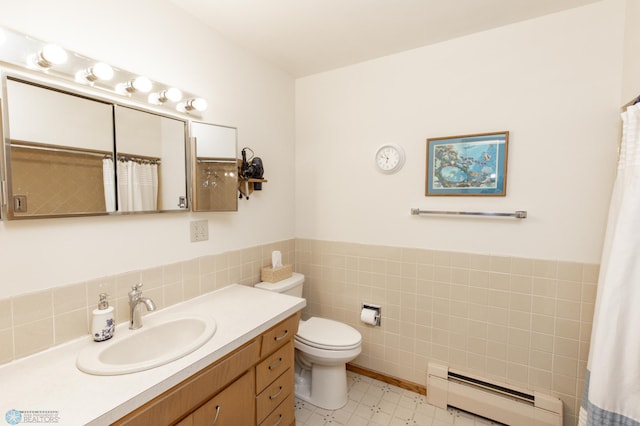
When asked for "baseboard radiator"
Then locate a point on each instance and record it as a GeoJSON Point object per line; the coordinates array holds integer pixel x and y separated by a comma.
{"type": "Point", "coordinates": [495, 401]}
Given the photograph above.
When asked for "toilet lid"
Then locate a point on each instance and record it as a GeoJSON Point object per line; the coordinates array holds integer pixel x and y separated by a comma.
{"type": "Point", "coordinates": [328, 334]}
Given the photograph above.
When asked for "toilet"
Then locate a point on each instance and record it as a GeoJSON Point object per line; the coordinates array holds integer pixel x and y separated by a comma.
{"type": "Point", "coordinates": [322, 349]}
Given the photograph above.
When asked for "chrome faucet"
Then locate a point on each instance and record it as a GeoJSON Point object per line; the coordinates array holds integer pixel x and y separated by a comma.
{"type": "Point", "coordinates": [135, 298]}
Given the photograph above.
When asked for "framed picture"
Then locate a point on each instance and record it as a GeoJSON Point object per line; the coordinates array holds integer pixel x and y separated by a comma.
{"type": "Point", "coordinates": [467, 165]}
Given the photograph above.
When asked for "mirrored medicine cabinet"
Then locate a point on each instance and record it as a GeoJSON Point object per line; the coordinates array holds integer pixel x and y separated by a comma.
{"type": "Point", "coordinates": [215, 167]}
{"type": "Point", "coordinates": [67, 153]}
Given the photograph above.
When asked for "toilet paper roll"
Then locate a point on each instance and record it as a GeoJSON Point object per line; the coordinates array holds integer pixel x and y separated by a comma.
{"type": "Point", "coordinates": [368, 316]}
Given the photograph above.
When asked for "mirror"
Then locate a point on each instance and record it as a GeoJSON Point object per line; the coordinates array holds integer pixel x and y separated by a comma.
{"type": "Point", "coordinates": [151, 157]}
{"type": "Point", "coordinates": [59, 152]}
{"type": "Point", "coordinates": [54, 152]}
{"type": "Point", "coordinates": [215, 167]}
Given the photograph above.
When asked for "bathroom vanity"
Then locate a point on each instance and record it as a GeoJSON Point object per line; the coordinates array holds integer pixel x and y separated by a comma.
{"type": "Point", "coordinates": [251, 385]}
{"type": "Point", "coordinates": [244, 373]}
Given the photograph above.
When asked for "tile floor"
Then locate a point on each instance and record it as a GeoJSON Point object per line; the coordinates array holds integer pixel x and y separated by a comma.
{"type": "Point", "coordinates": [373, 403]}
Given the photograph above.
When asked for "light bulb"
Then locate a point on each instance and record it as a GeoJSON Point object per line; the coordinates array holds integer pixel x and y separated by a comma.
{"type": "Point", "coordinates": [163, 96]}
{"type": "Point", "coordinates": [173, 94]}
{"type": "Point", "coordinates": [102, 71]}
{"type": "Point", "coordinates": [141, 84]}
{"type": "Point", "coordinates": [98, 71]}
{"type": "Point", "coordinates": [138, 84]}
{"type": "Point", "coordinates": [50, 55]}
{"type": "Point", "coordinates": [198, 104]}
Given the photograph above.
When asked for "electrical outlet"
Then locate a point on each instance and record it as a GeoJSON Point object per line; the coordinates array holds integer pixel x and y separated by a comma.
{"type": "Point", "coordinates": [199, 230]}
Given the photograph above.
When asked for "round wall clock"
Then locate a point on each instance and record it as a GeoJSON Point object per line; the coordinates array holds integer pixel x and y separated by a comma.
{"type": "Point", "coordinates": [389, 158]}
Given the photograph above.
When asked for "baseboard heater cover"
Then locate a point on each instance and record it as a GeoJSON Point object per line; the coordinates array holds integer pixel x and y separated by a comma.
{"type": "Point", "coordinates": [500, 402]}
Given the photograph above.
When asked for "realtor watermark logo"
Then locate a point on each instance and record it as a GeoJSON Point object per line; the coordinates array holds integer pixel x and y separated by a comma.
{"type": "Point", "coordinates": [14, 417]}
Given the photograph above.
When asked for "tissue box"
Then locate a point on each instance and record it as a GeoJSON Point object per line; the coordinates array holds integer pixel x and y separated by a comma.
{"type": "Point", "coordinates": [270, 275]}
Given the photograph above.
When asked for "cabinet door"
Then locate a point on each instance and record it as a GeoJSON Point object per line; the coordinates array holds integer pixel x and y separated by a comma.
{"type": "Point", "coordinates": [233, 406]}
{"type": "Point", "coordinates": [55, 153]}
{"type": "Point", "coordinates": [215, 167]}
{"type": "Point", "coordinates": [158, 142]}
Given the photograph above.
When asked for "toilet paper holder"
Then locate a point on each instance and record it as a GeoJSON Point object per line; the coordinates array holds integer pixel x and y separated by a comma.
{"type": "Point", "coordinates": [377, 313]}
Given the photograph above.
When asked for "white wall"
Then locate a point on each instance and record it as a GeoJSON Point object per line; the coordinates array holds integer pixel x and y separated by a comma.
{"type": "Point", "coordinates": [554, 83]}
{"type": "Point", "coordinates": [630, 79]}
{"type": "Point", "coordinates": [157, 39]}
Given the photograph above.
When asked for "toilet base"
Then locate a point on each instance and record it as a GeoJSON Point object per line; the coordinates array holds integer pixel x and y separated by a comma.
{"type": "Point", "coordinates": [302, 388]}
{"type": "Point", "coordinates": [322, 386]}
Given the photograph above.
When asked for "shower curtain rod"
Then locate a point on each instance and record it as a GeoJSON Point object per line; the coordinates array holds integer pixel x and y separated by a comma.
{"type": "Point", "coordinates": [58, 148]}
{"type": "Point", "coordinates": [131, 157]}
{"type": "Point", "coordinates": [519, 214]}
{"type": "Point", "coordinates": [82, 151]}
{"type": "Point", "coordinates": [215, 160]}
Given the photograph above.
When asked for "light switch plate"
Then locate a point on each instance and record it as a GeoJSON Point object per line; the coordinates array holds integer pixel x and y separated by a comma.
{"type": "Point", "coordinates": [199, 230]}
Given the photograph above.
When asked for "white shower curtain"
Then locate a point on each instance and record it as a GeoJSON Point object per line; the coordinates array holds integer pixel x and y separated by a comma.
{"type": "Point", "coordinates": [137, 186]}
{"type": "Point", "coordinates": [612, 388]}
{"type": "Point", "coordinates": [109, 178]}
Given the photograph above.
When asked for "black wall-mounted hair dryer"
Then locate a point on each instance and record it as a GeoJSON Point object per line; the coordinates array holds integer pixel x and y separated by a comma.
{"type": "Point", "coordinates": [252, 168]}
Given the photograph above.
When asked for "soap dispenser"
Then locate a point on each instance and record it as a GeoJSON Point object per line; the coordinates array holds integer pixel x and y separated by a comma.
{"type": "Point", "coordinates": [103, 324]}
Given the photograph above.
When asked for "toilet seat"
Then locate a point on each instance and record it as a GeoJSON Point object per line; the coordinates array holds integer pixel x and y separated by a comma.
{"type": "Point", "coordinates": [327, 334]}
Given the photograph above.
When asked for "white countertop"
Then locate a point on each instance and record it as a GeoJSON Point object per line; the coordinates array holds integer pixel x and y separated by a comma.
{"type": "Point", "coordinates": [49, 380]}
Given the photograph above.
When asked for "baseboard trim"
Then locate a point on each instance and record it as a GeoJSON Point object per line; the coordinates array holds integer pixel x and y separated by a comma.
{"type": "Point", "coordinates": [404, 384]}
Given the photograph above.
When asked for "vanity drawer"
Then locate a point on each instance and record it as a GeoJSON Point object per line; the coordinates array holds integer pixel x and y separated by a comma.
{"type": "Point", "coordinates": [280, 334]}
{"type": "Point", "coordinates": [274, 394]}
{"type": "Point", "coordinates": [231, 407]}
{"type": "Point", "coordinates": [283, 415]}
{"type": "Point", "coordinates": [273, 366]}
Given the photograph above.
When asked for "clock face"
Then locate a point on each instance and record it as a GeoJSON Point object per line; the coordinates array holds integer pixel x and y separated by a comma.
{"type": "Point", "coordinates": [389, 158]}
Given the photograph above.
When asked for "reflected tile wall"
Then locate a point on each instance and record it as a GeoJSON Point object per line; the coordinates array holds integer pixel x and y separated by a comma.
{"type": "Point", "coordinates": [40, 175]}
{"type": "Point", "coordinates": [522, 321]}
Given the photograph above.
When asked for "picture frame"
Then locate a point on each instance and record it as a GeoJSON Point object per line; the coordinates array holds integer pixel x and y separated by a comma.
{"type": "Point", "coordinates": [467, 165]}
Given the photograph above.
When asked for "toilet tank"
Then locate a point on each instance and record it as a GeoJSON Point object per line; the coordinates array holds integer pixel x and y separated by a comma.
{"type": "Point", "coordinates": [291, 286]}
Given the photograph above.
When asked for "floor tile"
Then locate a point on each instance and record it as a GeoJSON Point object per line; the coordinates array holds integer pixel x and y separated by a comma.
{"type": "Point", "coordinates": [375, 403]}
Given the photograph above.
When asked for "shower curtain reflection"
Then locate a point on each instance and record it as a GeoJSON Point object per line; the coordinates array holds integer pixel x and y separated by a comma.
{"type": "Point", "coordinates": [137, 184]}
{"type": "Point", "coordinates": [109, 178]}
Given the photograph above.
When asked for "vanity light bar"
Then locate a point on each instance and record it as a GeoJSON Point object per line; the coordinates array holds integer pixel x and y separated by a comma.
{"type": "Point", "coordinates": [35, 55]}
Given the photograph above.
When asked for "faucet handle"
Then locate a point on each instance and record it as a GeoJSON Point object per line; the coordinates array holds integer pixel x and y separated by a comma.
{"type": "Point", "coordinates": [135, 290]}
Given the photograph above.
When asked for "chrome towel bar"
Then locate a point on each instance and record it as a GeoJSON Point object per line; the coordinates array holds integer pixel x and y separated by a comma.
{"type": "Point", "coordinates": [520, 214]}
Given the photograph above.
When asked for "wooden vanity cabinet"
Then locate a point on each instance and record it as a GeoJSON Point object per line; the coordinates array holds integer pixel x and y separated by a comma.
{"type": "Point", "coordinates": [253, 385]}
{"type": "Point", "coordinates": [274, 375]}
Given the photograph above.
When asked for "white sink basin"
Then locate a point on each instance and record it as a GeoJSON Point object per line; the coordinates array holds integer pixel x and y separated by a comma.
{"type": "Point", "coordinates": [160, 341]}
